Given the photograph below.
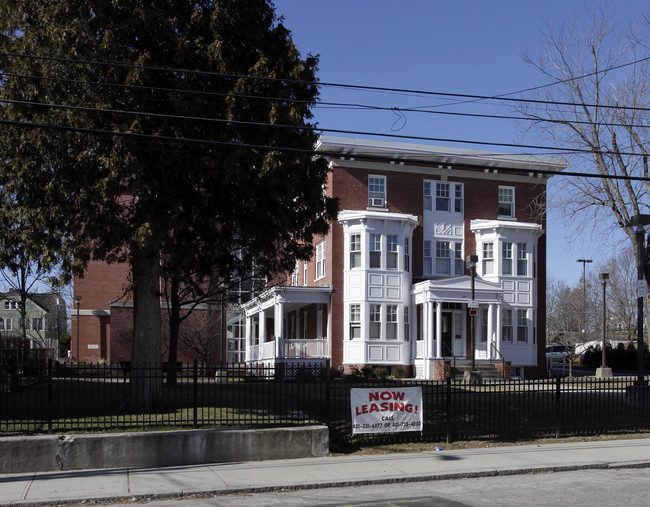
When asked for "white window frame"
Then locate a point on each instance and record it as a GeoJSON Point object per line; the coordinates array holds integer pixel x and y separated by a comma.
{"type": "Point", "coordinates": [355, 321]}
{"type": "Point", "coordinates": [506, 258]}
{"type": "Point", "coordinates": [506, 325]}
{"type": "Point", "coordinates": [443, 258]}
{"type": "Point", "coordinates": [427, 260]}
{"type": "Point", "coordinates": [407, 326]}
{"type": "Point", "coordinates": [522, 259]}
{"type": "Point", "coordinates": [488, 258]}
{"type": "Point", "coordinates": [443, 197]}
{"type": "Point", "coordinates": [459, 198]}
{"type": "Point", "coordinates": [522, 326]}
{"type": "Point", "coordinates": [426, 196]}
{"type": "Point", "coordinates": [355, 250]}
{"type": "Point", "coordinates": [376, 191]}
{"type": "Point", "coordinates": [407, 254]}
{"type": "Point", "coordinates": [305, 270]}
{"type": "Point", "coordinates": [391, 322]}
{"type": "Point", "coordinates": [374, 261]}
{"type": "Point", "coordinates": [391, 251]}
{"type": "Point", "coordinates": [507, 202]}
{"type": "Point", "coordinates": [320, 260]}
{"type": "Point", "coordinates": [295, 275]}
{"type": "Point", "coordinates": [374, 322]}
{"type": "Point", "coordinates": [459, 265]}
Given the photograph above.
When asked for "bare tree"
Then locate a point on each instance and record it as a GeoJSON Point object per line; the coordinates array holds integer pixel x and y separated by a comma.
{"type": "Point", "coordinates": [597, 107]}
{"type": "Point", "coordinates": [563, 312]}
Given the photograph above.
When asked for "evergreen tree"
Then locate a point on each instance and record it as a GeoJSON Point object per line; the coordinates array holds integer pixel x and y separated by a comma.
{"type": "Point", "coordinates": [172, 135]}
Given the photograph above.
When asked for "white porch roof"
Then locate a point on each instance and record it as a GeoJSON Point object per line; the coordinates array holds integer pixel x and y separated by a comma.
{"type": "Point", "coordinates": [457, 290]}
{"type": "Point", "coordinates": [289, 296]}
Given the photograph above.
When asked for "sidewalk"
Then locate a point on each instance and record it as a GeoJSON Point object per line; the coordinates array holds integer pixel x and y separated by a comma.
{"type": "Point", "coordinates": [224, 478]}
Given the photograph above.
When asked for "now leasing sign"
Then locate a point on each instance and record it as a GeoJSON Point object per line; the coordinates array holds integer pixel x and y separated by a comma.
{"type": "Point", "coordinates": [386, 410]}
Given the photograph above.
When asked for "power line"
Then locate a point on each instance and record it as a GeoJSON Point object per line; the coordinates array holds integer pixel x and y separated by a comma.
{"type": "Point", "coordinates": [407, 91]}
{"type": "Point", "coordinates": [334, 154]}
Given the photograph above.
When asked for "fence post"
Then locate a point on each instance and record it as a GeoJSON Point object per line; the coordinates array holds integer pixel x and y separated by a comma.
{"type": "Point", "coordinates": [328, 378]}
{"type": "Point", "coordinates": [558, 385]}
{"type": "Point", "coordinates": [448, 405]}
{"type": "Point", "coordinates": [195, 395]}
{"type": "Point", "coordinates": [49, 396]}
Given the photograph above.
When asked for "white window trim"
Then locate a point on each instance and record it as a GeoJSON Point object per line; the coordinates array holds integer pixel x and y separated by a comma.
{"type": "Point", "coordinates": [320, 260]}
{"type": "Point", "coordinates": [512, 202]}
{"type": "Point", "coordinates": [377, 199]}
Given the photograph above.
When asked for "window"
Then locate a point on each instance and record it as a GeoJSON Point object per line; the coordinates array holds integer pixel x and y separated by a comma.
{"type": "Point", "coordinates": [320, 260]}
{"type": "Point", "coordinates": [304, 272]}
{"type": "Point", "coordinates": [391, 251]}
{"type": "Point", "coordinates": [443, 258]}
{"type": "Point", "coordinates": [427, 196]}
{"type": "Point", "coordinates": [506, 326]}
{"type": "Point", "coordinates": [488, 258]}
{"type": "Point", "coordinates": [236, 335]}
{"type": "Point", "coordinates": [391, 322]}
{"type": "Point", "coordinates": [2, 324]}
{"type": "Point", "coordinates": [355, 321]}
{"type": "Point", "coordinates": [506, 202]}
{"type": "Point", "coordinates": [459, 265]}
{"type": "Point", "coordinates": [12, 305]}
{"type": "Point", "coordinates": [355, 250]}
{"type": "Point", "coordinates": [9, 324]}
{"type": "Point", "coordinates": [377, 191]}
{"type": "Point", "coordinates": [375, 250]}
{"type": "Point", "coordinates": [28, 324]}
{"type": "Point", "coordinates": [407, 327]}
{"type": "Point", "coordinates": [407, 255]}
{"type": "Point", "coordinates": [458, 198]}
{"type": "Point", "coordinates": [375, 322]}
{"type": "Point", "coordinates": [522, 262]}
{"type": "Point", "coordinates": [442, 197]}
{"type": "Point", "coordinates": [484, 325]}
{"type": "Point", "coordinates": [506, 259]}
{"type": "Point", "coordinates": [427, 258]}
{"type": "Point", "coordinates": [522, 326]}
{"type": "Point", "coordinates": [295, 275]}
{"type": "Point", "coordinates": [37, 324]}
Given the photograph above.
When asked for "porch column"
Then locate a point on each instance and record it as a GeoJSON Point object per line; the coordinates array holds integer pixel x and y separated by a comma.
{"type": "Point", "coordinates": [490, 330]}
{"type": "Point", "coordinates": [262, 327]}
{"type": "Point", "coordinates": [498, 328]}
{"type": "Point", "coordinates": [278, 328]}
{"type": "Point", "coordinates": [248, 340]}
{"type": "Point", "coordinates": [438, 330]}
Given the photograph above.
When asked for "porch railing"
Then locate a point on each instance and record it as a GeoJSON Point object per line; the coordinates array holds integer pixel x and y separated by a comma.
{"type": "Point", "coordinates": [262, 351]}
{"type": "Point", "coordinates": [305, 349]}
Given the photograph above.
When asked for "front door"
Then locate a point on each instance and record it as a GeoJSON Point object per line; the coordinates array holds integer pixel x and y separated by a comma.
{"type": "Point", "coordinates": [445, 324]}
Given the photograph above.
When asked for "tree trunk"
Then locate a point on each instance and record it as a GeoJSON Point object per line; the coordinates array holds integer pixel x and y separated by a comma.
{"type": "Point", "coordinates": [174, 329]}
{"type": "Point", "coordinates": [146, 363]}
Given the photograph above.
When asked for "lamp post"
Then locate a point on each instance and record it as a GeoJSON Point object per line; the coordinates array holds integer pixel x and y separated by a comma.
{"type": "Point", "coordinates": [78, 301]}
{"type": "Point", "coordinates": [473, 376]}
{"type": "Point", "coordinates": [604, 371]}
{"type": "Point", "coordinates": [584, 294]}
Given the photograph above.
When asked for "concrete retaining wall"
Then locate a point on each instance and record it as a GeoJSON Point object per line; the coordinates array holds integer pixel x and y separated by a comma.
{"type": "Point", "coordinates": [159, 448]}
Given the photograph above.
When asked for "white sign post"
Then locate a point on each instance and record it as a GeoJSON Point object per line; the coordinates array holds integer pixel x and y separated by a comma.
{"type": "Point", "coordinates": [386, 409]}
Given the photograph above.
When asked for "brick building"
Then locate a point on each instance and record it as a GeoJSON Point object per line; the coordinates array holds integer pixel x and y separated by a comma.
{"type": "Point", "coordinates": [389, 285]}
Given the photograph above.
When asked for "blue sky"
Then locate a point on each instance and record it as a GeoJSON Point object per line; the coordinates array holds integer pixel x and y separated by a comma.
{"type": "Point", "coordinates": [456, 46]}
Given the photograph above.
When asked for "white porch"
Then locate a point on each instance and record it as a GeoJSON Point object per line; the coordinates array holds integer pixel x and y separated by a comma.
{"type": "Point", "coordinates": [289, 325]}
{"type": "Point", "coordinates": [445, 325]}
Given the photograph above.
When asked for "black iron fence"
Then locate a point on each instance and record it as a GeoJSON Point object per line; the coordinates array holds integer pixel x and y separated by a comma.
{"type": "Point", "coordinates": [110, 398]}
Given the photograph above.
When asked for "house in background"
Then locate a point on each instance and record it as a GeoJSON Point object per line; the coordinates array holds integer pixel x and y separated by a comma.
{"type": "Point", "coordinates": [389, 285]}
{"type": "Point", "coordinates": [45, 320]}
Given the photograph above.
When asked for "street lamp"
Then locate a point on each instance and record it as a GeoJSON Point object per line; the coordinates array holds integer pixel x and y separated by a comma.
{"type": "Point", "coordinates": [584, 294]}
{"type": "Point", "coordinates": [78, 301]}
{"type": "Point", "coordinates": [473, 376]}
{"type": "Point", "coordinates": [604, 371]}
